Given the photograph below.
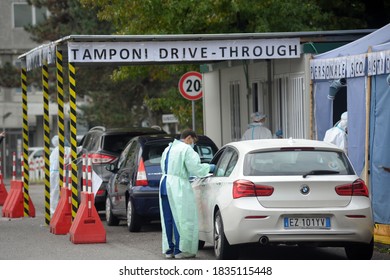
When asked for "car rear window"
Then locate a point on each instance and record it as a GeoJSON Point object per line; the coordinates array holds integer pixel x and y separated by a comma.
{"type": "Point", "coordinates": [116, 143]}
{"type": "Point", "coordinates": [152, 152]}
{"type": "Point", "coordinates": [281, 163]}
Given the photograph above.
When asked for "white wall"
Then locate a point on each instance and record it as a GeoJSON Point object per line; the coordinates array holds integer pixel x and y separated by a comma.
{"type": "Point", "coordinates": [211, 107]}
{"type": "Point", "coordinates": [217, 112]}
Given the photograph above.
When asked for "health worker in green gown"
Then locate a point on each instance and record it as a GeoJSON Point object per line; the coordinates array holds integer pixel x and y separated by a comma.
{"type": "Point", "coordinates": [179, 220]}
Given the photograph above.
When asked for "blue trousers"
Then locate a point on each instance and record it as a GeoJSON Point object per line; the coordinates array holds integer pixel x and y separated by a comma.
{"type": "Point", "coordinates": [170, 226]}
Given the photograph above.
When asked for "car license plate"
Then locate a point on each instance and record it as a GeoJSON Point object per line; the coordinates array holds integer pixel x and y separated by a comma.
{"type": "Point", "coordinates": [305, 222]}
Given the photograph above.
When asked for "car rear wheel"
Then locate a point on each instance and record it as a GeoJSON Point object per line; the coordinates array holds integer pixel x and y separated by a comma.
{"type": "Point", "coordinates": [360, 251]}
{"type": "Point", "coordinates": [111, 220]}
{"type": "Point", "coordinates": [222, 249]}
{"type": "Point", "coordinates": [133, 220]}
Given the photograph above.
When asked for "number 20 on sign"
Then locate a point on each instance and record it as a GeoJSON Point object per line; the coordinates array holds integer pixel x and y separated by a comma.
{"type": "Point", "coordinates": [190, 85]}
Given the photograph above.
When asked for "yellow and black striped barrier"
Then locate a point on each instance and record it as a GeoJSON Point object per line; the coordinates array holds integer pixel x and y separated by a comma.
{"type": "Point", "coordinates": [46, 139]}
{"type": "Point", "coordinates": [73, 133]}
{"type": "Point", "coordinates": [26, 195]}
{"type": "Point", "coordinates": [60, 118]}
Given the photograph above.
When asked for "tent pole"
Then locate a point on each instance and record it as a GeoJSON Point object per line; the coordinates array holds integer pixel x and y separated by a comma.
{"type": "Point", "coordinates": [311, 119]}
{"type": "Point", "coordinates": [367, 143]}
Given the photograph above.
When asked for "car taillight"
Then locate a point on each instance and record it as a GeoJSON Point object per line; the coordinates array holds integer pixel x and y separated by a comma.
{"type": "Point", "coordinates": [101, 159]}
{"type": "Point", "coordinates": [141, 180]}
{"type": "Point", "coordinates": [244, 188]}
{"type": "Point", "coordinates": [357, 188]}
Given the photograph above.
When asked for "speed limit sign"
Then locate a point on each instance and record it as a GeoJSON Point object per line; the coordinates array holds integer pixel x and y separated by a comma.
{"type": "Point", "coordinates": [190, 85]}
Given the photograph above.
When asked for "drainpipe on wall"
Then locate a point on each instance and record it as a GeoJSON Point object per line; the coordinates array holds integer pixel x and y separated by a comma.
{"type": "Point", "coordinates": [269, 83]}
{"type": "Point", "coordinates": [248, 89]}
{"type": "Point", "coordinates": [220, 104]}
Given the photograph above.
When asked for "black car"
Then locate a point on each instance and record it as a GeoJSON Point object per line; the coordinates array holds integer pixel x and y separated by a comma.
{"type": "Point", "coordinates": [104, 146]}
{"type": "Point", "coordinates": [132, 192]}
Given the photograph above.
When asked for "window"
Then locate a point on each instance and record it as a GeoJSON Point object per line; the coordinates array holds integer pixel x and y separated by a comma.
{"type": "Point", "coordinates": [260, 97]}
{"type": "Point", "coordinates": [296, 162]}
{"type": "Point", "coordinates": [24, 15]}
{"type": "Point", "coordinates": [288, 106]}
{"type": "Point", "coordinates": [226, 163]}
{"type": "Point", "coordinates": [153, 151]}
{"type": "Point", "coordinates": [235, 111]}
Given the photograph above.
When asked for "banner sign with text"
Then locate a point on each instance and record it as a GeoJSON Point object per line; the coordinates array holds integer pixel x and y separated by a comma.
{"type": "Point", "coordinates": [178, 51]}
{"type": "Point", "coordinates": [361, 65]}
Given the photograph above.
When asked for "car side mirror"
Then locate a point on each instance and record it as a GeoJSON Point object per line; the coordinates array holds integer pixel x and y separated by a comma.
{"type": "Point", "coordinates": [112, 168]}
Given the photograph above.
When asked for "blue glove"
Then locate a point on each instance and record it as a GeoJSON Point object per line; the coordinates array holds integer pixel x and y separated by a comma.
{"type": "Point", "coordinates": [212, 168]}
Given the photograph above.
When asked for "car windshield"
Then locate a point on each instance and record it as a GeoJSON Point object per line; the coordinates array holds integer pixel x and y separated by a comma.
{"type": "Point", "coordinates": [296, 162]}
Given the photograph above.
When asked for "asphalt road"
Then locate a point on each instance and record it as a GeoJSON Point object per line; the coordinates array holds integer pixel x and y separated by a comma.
{"type": "Point", "coordinates": [30, 239]}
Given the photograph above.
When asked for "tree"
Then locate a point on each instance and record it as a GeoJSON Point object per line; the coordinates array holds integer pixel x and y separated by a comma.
{"type": "Point", "coordinates": [116, 100]}
{"type": "Point", "coordinates": [225, 16]}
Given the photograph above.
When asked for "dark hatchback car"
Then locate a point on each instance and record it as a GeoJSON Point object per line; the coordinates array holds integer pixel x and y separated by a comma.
{"type": "Point", "coordinates": [104, 145]}
{"type": "Point", "coordinates": [132, 192]}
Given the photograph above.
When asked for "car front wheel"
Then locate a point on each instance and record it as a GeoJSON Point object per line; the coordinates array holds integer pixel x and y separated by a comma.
{"type": "Point", "coordinates": [360, 251]}
{"type": "Point", "coordinates": [133, 220]}
{"type": "Point", "coordinates": [111, 220]}
{"type": "Point", "coordinates": [222, 249]}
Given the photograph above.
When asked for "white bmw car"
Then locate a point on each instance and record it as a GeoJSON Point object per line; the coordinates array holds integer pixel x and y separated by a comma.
{"type": "Point", "coordinates": [284, 191]}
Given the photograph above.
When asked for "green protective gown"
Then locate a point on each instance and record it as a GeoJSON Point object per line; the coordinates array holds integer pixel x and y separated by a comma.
{"type": "Point", "coordinates": [183, 162]}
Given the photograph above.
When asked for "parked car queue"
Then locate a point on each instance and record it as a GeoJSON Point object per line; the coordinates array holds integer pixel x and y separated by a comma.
{"type": "Point", "coordinates": [133, 189]}
{"type": "Point", "coordinates": [267, 192]}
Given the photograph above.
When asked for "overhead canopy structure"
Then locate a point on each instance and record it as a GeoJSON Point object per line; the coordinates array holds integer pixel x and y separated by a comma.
{"type": "Point", "coordinates": [144, 49]}
{"type": "Point", "coordinates": [86, 50]}
{"type": "Point", "coordinates": [365, 64]}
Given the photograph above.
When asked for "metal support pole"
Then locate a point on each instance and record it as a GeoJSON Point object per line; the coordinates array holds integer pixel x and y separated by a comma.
{"type": "Point", "coordinates": [26, 195]}
{"type": "Point", "coordinates": [46, 139]}
{"type": "Point", "coordinates": [60, 117]}
{"type": "Point", "coordinates": [73, 133]}
{"type": "Point", "coordinates": [193, 115]}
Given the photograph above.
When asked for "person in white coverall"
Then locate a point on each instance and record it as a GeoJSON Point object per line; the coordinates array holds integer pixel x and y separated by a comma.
{"type": "Point", "coordinates": [55, 173]}
{"type": "Point", "coordinates": [256, 129]}
{"type": "Point", "coordinates": [338, 134]}
{"type": "Point", "coordinates": [177, 201]}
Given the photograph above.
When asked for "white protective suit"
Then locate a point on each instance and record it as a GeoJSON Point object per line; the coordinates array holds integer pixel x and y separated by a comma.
{"type": "Point", "coordinates": [183, 162]}
{"type": "Point", "coordinates": [257, 130]}
{"type": "Point", "coordinates": [337, 135]}
{"type": "Point", "coordinates": [55, 174]}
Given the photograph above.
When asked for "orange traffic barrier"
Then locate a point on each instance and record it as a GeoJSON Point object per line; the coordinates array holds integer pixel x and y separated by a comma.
{"type": "Point", "coordinates": [62, 218]}
{"type": "Point", "coordinates": [3, 190]}
{"type": "Point", "coordinates": [13, 188]}
{"type": "Point", "coordinates": [87, 226]}
{"type": "Point", "coordinates": [14, 204]}
{"type": "Point", "coordinates": [61, 221]}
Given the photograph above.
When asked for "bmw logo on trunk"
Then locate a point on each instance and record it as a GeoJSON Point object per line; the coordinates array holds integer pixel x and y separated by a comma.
{"type": "Point", "coordinates": [305, 189]}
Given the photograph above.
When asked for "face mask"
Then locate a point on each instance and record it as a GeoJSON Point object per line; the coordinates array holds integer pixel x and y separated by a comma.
{"type": "Point", "coordinates": [192, 145]}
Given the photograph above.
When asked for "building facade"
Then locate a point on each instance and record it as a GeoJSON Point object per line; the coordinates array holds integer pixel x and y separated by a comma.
{"type": "Point", "coordinates": [14, 41]}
